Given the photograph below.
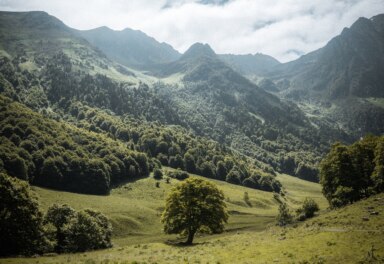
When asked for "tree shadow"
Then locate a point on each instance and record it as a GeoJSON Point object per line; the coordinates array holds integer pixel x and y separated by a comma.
{"type": "Point", "coordinates": [179, 242]}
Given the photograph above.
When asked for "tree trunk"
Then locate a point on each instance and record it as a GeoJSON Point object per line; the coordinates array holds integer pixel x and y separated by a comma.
{"type": "Point", "coordinates": [191, 234]}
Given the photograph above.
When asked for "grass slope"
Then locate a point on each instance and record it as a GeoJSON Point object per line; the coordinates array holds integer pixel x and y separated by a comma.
{"type": "Point", "coordinates": [135, 210]}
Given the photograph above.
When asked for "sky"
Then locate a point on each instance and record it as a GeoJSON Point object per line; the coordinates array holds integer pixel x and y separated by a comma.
{"type": "Point", "coordinates": [284, 29]}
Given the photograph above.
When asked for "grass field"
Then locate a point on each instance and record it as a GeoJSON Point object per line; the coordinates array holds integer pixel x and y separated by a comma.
{"type": "Point", "coordinates": [340, 236]}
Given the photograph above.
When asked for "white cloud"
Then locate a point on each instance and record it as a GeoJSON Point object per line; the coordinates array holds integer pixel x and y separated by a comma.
{"type": "Point", "coordinates": [280, 28]}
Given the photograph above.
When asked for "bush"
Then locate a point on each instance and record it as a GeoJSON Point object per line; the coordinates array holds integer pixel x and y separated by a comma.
{"type": "Point", "coordinates": [284, 217]}
{"type": "Point", "coordinates": [308, 210]}
{"type": "Point", "coordinates": [87, 232]}
{"type": "Point", "coordinates": [178, 174]}
{"type": "Point", "coordinates": [79, 231]}
{"type": "Point", "coordinates": [58, 216]}
{"type": "Point", "coordinates": [157, 174]}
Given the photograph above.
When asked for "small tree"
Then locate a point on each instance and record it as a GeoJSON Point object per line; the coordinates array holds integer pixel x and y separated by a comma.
{"type": "Point", "coordinates": [310, 207]}
{"type": "Point", "coordinates": [58, 216]}
{"type": "Point", "coordinates": [194, 205]}
{"type": "Point", "coordinates": [308, 210]}
{"type": "Point", "coordinates": [157, 174]}
{"type": "Point", "coordinates": [88, 230]}
{"type": "Point", "coordinates": [247, 200]}
{"type": "Point", "coordinates": [79, 231]}
{"type": "Point", "coordinates": [284, 217]}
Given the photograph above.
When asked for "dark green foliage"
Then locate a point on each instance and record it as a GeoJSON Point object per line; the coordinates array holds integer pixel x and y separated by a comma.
{"type": "Point", "coordinates": [350, 173]}
{"type": "Point", "coordinates": [157, 174]}
{"type": "Point", "coordinates": [173, 146]}
{"type": "Point", "coordinates": [88, 230]}
{"type": "Point", "coordinates": [194, 205]}
{"type": "Point", "coordinates": [59, 216]}
{"type": "Point", "coordinates": [79, 231]}
{"type": "Point", "coordinates": [178, 174]}
{"type": "Point", "coordinates": [284, 216]}
{"type": "Point", "coordinates": [308, 209]}
{"type": "Point", "coordinates": [21, 221]}
{"type": "Point", "coordinates": [60, 156]}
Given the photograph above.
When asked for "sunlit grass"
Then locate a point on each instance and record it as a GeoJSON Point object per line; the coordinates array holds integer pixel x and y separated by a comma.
{"type": "Point", "coordinates": [339, 236]}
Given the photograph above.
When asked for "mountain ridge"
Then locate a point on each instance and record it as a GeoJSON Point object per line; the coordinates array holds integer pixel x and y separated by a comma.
{"type": "Point", "coordinates": [132, 48]}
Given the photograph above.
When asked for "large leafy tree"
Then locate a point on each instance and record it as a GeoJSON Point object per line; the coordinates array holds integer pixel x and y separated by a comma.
{"type": "Point", "coordinates": [350, 173]}
{"type": "Point", "coordinates": [21, 230]}
{"type": "Point", "coordinates": [194, 205]}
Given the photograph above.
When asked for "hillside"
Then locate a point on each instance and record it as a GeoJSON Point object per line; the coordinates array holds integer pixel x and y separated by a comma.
{"type": "Point", "coordinates": [217, 102]}
{"type": "Point", "coordinates": [342, 79]}
{"type": "Point", "coordinates": [250, 64]}
{"type": "Point", "coordinates": [199, 92]}
{"type": "Point", "coordinates": [131, 48]}
{"type": "Point", "coordinates": [346, 235]}
{"type": "Point", "coordinates": [113, 120]}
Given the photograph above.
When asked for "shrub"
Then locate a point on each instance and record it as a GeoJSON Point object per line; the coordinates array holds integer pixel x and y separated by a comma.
{"type": "Point", "coordinates": [79, 231]}
{"type": "Point", "coordinates": [89, 230]}
{"type": "Point", "coordinates": [284, 217]}
{"type": "Point", "coordinates": [178, 174]}
{"type": "Point", "coordinates": [157, 174]}
{"type": "Point", "coordinates": [307, 210]}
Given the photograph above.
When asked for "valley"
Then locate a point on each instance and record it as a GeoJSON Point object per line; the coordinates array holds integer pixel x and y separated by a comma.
{"type": "Point", "coordinates": [135, 208]}
{"type": "Point", "coordinates": [109, 122]}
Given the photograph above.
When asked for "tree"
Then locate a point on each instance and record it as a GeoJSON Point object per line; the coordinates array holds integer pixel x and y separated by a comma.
{"type": "Point", "coordinates": [20, 218]}
{"type": "Point", "coordinates": [82, 233]}
{"type": "Point", "coordinates": [157, 174]}
{"type": "Point", "coordinates": [79, 231]}
{"type": "Point", "coordinates": [194, 205]}
{"type": "Point", "coordinates": [308, 210]}
{"type": "Point", "coordinates": [336, 171]}
{"type": "Point", "coordinates": [284, 217]}
{"type": "Point", "coordinates": [59, 216]}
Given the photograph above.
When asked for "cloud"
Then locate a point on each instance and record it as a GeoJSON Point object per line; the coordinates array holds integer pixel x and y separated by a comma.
{"type": "Point", "coordinates": [284, 29]}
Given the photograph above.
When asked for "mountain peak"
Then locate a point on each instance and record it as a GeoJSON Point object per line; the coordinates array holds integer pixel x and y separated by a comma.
{"type": "Point", "coordinates": [199, 50]}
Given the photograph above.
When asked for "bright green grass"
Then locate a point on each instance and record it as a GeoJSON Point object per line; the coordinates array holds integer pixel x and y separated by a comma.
{"type": "Point", "coordinates": [338, 236]}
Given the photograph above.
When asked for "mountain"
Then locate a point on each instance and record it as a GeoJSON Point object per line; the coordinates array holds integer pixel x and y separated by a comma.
{"type": "Point", "coordinates": [57, 72]}
{"type": "Point", "coordinates": [349, 65]}
{"type": "Point", "coordinates": [74, 120]}
{"type": "Point", "coordinates": [218, 102]}
{"type": "Point", "coordinates": [250, 64]}
{"type": "Point", "coordinates": [129, 47]}
{"type": "Point", "coordinates": [346, 74]}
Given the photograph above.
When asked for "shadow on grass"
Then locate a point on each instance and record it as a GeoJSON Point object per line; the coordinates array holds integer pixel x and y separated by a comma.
{"type": "Point", "coordinates": [181, 243]}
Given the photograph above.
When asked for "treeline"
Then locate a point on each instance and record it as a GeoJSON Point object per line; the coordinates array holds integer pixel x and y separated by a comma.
{"type": "Point", "coordinates": [56, 155]}
{"type": "Point", "coordinates": [214, 109]}
{"type": "Point", "coordinates": [175, 147]}
{"type": "Point", "coordinates": [350, 173]}
{"type": "Point", "coordinates": [26, 230]}
{"type": "Point", "coordinates": [227, 121]}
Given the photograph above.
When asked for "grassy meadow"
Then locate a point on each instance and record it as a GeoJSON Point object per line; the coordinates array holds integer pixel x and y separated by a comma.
{"type": "Point", "coordinates": [339, 236]}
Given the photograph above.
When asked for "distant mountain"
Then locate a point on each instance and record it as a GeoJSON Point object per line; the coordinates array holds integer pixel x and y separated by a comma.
{"type": "Point", "coordinates": [347, 74]}
{"type": "Point", "coordinates": [249, 64]}
{"type": "Point", "coordinates": [53, 69]}
{"type": "Point", "coordinates": [97, 124]}
{"type": "Point", "coordinates": [129, 47]}
{"type": "Point", "coordinates": [351, 64]}
{"type": "Point", "coordinates": [218, 102]}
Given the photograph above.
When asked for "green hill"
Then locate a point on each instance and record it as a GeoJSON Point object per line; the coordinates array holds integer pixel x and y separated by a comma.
{"type": "Point", "coordinates": [54, 67]}
{"type": "Point", "coordinates": [347, 235]}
